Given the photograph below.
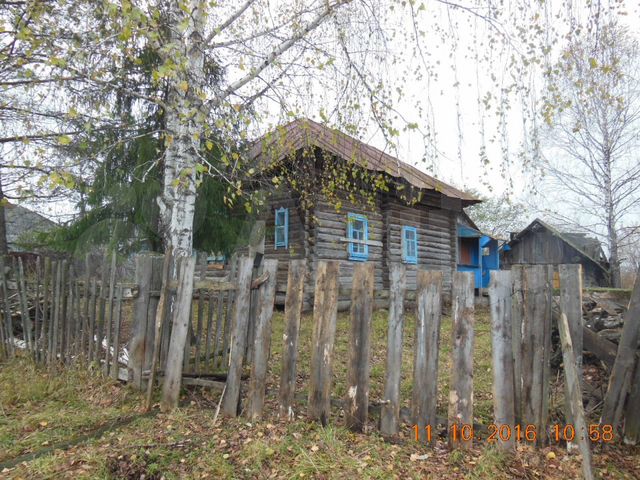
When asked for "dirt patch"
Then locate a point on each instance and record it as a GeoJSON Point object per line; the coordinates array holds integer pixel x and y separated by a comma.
{"type": "Point", "coordinates": [130, 467]}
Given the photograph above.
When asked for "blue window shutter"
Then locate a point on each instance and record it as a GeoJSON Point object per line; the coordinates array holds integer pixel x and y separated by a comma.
{"type": "Point", "coordinates": [410, 245]}
{"type": "Point", "coordinates": [281, 237]}
{"type": "Point", "coordinates": [358, 229]}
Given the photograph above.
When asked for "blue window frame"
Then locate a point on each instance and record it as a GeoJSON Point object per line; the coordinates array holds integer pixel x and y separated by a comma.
{"type": "Point", "coordinates": [281, 236]}
{"type": "Point", "coordinates": [358, 230]}
{"type": "Point", "coordinates": [409, 245]}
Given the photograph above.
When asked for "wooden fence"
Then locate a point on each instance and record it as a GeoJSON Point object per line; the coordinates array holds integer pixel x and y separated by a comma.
{"type": "Point", "coordinates": [66, 317]}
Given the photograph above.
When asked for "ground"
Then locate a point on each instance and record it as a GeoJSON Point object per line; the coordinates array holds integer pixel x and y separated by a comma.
{"type": "Point", "coordinates": [78, 424]}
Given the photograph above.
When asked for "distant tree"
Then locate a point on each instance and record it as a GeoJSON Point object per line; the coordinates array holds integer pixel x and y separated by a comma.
{"type": "Point", "coordinates": [498, 216]}
{"type": "Point", "coordinates": [592, 137]}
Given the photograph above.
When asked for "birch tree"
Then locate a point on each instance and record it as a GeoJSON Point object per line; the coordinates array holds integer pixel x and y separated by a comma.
{"type": "Point", "coordinates": [593, 116]}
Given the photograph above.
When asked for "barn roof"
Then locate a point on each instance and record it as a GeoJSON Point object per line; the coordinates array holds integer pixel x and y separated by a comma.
{"type": "Point", "coordinates": [590, 248]}
{"type": "Point", "coordinates": [303, 133]}
{"type": "Point", "coordinates": [21, 222]}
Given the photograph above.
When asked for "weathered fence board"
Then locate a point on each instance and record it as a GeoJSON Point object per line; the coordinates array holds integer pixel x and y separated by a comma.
{"type": "Point", "coordinates": [461, 384]}
{"type": "Point", "coordinates": [571, 305]}
{"type": "Point", "coordinates": [325, 312]}
{"type": "Point", "coordinates": [502, 356]}
{"type": "Point", "coordinates": [173, 371]}
{"type": "Point", "coordinates": [572, 379]}
{"type": "Point", "coordinates": [536, 348]}
{"type": "Point", "coordinates": [231, 396]}
{"type": "Point", "coordinates": [137, 344]}
{"type": "Point", "coordinates": [292, 313]}
{"type": "Point", "coordinates": [517, 314]}
{"type": "Point", "coordinates": [356, 406]}
{"type": "Point", "coordinates": [622, 371]}
{"type": "Point", "coordinates": [390, 413]}
{"type": "Point", "coordinates": [262, 340]}
{"type": "Point", "coordinates": [427, 339]}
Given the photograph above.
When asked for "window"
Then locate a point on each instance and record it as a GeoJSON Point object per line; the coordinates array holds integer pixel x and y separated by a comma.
{"type": "Point", "coordinates": [409, 245]}
{"type": "Point", "coordinates": [358, 231]}
{"type": "Point", "coordinates": [282, 228]}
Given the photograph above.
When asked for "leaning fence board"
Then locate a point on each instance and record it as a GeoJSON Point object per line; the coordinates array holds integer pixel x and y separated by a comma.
{"type": "Point", "coordinates": [161, 313]}
{"type": "Point", "coordinates": [461, 382]}
{"type": "Point", "coordinates": [173, 373]}
{"type": "Point", "coordinates": [292, 313]}
{"type": "Point", "coordinates": [262, 340]}
{"type": "Point", "coordinates": [231, 397]}
{"type": "Point", "coordinates": [325, 313]}
{"type": "Point", "coordinates": [356, 407]}
{"type": "Point", "coordinates": [426, 344]}
{"type": "Point", "coordinates": [571, 374]}
{"type": "Point", "coordinates": [622, 371]}
{"type": "Point", "coordinates": [502, 355]}
{"type": "Point", "coordinates": [570, 277]}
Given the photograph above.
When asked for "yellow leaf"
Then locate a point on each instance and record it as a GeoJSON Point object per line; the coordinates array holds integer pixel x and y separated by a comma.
{"type": "Point", "coordinates": [64, 140]}
{"type": "Point", "coordinates": [184, 86]}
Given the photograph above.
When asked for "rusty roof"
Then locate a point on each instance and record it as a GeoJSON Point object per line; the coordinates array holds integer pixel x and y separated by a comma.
{"type": "Point", "coordinates": [303, 133]}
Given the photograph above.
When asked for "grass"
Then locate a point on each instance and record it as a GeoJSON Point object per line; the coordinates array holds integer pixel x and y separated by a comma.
{"type": "Point", "coordinates": [38, 409]}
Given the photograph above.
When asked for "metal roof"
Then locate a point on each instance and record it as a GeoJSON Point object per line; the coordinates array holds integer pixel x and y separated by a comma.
{"type": "Point", "coordinates": [304, 133]}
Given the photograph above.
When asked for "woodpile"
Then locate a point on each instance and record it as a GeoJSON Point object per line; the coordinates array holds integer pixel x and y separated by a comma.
{"type": "Point", "coordinates": [603, 312]}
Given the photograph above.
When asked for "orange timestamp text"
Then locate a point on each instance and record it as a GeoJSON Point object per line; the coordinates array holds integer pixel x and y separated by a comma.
{"type": "Point", "coordinates": [519, 433]}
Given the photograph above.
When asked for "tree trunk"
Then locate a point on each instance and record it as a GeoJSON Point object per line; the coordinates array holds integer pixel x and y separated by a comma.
{"type": "Point", "coordinates": [183, 118]}
{"type": "Point", "coordinates": [4, 249]}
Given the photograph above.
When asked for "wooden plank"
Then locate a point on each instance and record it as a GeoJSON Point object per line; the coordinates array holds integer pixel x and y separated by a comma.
{"type": "Point", "coordinates": [209, 330]}
{"type": "Point", "coordinates": [117, 315]}
{"type": "Point", "coordinates": [572, 378]}
{"type": "Point", "coordinates": [200, 313]}
{"type": "Point", "coordinates": [144, 266]}
{"type": "Point", "coordinates": [77, 346]}
{"type": "Point", "coordinates": [357, 398]}
{"type": "Point", "coordinates": [109, 313]}
{"type": "Point", "coordinates": [102, 308]}
{"type": "Point", "coordinates": [517, 314]}
{"type": "Point", "coordinates": [53, 348]}
{"type": "Point", "coordinates": [536, 328]}
{"type": "Point", "coordinates": [231, 397]}
{"type": "Point", "coordinates": [461, 385]}
{"type": "Point", "coordinates": [325, 312]}
{"type": "Point", "coordinates": [571, 305]}
{"type": "Point", "coordinates": [262, 341]}
{"type": "Point", "coordinates": [622, 371]}
{"type": "Point", "coordinates": [24, 307]}
{"type": "Point", "coordinates": [93, 304]}
{"type": "Point", "coordinates": [424, 398]}
{"type": "Point", "coordinates": [228, 324]}
{"type": "Point", "coordinates": [69, 318]}
{"type": "Point", "coordinates": [502, 356]}
{"type": "Point", "coordinates": [8, 321]}
{"type": "Point", "coordinates": [292, 314]}
{"type": "Point", "coordinates": [181, 314]}
{"type": "Point", "coordinates": [36, 303]}
{"type": "Point", "coordinates": [632, 412]}
{"type": "Point", "coordinates": [217, 354]}
{"type": "Point", "coordinates": [161, 314]}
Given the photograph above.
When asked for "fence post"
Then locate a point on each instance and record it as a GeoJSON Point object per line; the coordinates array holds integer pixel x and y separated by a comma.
{"type": "Point", "coordinates": [262, 340]}
{"type": "Point", "coordinates": [144, 267]}
{"type": "Point", "coordinates": [571, 305]}
{"type": "Point", "coordinates": [390, 413]}
{"type": "Point", "coordinates": [231, 394]}
{"type": "Point", "coordinates": [325, 312]}
{"type": "Point", "coordinates": [182, 307]}
{"type": "Point", "coordinates": [292, 314]}
{"type": "Point", "coordinates": [356, 405]}
{"type": "Point", "coordinates": [632, 412]}
{"type": "Point", "coordinates": [501, 348]}
{"type": "Point", "coordinates": [536, 348]}
{"type": "Point", "coordinates": [572, 379]}
{"type": "Point", "coordinates": [517, 314]}
{"type": "Point", "coordinates": [427, 339]}
{"type": "Point", "coordinates": [461, 387]}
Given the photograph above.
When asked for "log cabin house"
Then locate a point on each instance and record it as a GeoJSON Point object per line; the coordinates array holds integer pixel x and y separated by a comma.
{"type": "Point", "coordinates": [389, 211]}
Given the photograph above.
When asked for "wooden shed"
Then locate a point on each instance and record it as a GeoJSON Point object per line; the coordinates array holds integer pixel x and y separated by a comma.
{"type": "Point", "coordinates": [411, 217]}
{"type": "Point", "coordinates": [542, 244]}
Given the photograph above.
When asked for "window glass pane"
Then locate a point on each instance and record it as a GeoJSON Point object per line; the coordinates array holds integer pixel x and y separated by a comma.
{"type": "Point", "coordinates": [279, 235]}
